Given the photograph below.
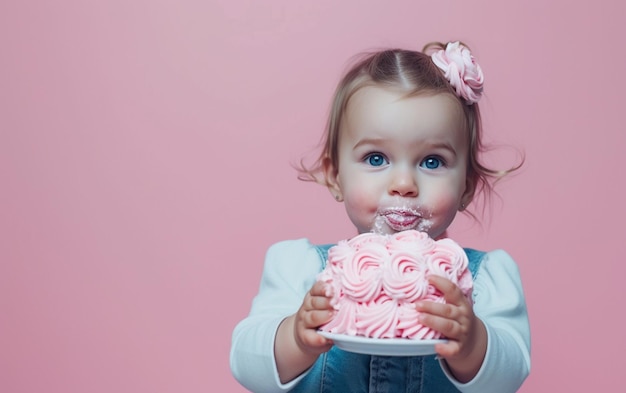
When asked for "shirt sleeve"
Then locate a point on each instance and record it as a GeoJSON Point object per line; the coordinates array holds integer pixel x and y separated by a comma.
{"type": "Point", "coordinates": [290, 270]}
{"type": "Point", "coordinates": [499, 302]}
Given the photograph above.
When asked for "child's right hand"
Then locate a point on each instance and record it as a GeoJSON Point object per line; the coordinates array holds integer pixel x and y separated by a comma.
{"type": "Point", "coordinates": [297, 344]}
{"type": "Point", "coordinates": [315, 311]}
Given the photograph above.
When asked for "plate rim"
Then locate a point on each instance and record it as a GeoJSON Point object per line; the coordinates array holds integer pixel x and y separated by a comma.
{"type": "Point", "coordinates": [383, 346]}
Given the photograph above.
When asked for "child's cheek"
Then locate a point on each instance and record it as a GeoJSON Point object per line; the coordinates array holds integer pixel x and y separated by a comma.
{"type": "Point", "coordinates": [361, 201]}
{"type": "Point", "coordinates": [444, 210]}
{"type": "Point", "coordinates": [361, 209]}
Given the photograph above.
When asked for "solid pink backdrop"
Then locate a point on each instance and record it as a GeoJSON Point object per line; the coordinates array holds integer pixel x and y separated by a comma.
{"type": "Point", "coordinates": [145, 151]}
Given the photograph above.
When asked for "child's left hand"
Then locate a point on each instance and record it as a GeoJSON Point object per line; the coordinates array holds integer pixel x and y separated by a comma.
{"type": "Point", "coordinates": [467, 337]}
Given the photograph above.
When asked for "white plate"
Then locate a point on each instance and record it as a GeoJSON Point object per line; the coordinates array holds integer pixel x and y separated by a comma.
{"type": "Point", "coordinates": [383, 346]}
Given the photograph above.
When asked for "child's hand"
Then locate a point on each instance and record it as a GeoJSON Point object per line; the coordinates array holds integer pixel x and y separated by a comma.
{"type": "Point", "coordinates": [297, 344]}
{"type": "Point", "coordinates": [314, 312]}
{"type": "Point", "coordinates": [465, 350]}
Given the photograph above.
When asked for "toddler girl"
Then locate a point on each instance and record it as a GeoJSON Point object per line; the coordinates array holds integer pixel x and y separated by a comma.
{"type": "Point", "coordinates": [401, 152]}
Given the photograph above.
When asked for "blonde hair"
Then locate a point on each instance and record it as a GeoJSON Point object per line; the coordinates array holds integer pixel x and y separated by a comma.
{"type": "Point", "coordinates": [415, 73]}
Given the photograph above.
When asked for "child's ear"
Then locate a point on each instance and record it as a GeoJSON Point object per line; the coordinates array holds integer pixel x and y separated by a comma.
{"type": "Point", "coordinates": [468, 194]}
{"type": "Point", "coordinates": [332, 180]}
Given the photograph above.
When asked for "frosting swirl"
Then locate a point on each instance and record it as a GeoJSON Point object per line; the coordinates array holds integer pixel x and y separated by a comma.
{"type": "Point", "coordinates": [450, 261]}
{"type": "Point", "coordinates": [378, 318]}
{"type": "Point", "coordinates": [404, 279]}
{"type": "Point", "coordinates": [361, 278]}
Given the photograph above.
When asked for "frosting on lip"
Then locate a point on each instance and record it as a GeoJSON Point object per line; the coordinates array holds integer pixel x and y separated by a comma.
{"type": "Point", "coordinates": [401, 219]}
{"type": "Point", "coordinates": [401, 216]}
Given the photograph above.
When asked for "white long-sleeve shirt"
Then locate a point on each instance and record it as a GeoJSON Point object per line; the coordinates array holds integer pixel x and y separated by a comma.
{"type": "Point", "coordinates": [290, 271]}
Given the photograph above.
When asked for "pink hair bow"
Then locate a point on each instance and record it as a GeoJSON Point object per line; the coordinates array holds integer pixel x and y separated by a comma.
{"type": "Point", "coordinates": [461, 69]}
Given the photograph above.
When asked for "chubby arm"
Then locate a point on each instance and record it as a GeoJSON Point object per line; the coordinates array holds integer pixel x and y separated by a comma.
{"type": "Point", "coordinates": [500, 306]}
{"type": "Point", "coordinates": [263, 344]}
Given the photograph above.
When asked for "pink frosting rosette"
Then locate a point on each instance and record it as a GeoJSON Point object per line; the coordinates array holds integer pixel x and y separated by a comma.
{"type": "Point", "coordinates": [404, 279]}
{"type": "Point", "coordinates": [361, 278]}
{"type": "Point", "coordinates": [409, 327]}
{"type": "Point", "coordinates": [461, 69]}
{"type": "Point", "coordinates": [344, 320]}
{"type": "Point", "coordinates": [338, 256]}
{"type": "Point", "coordinates": [341, 253]}
{"type": "Point", "coordinates": [450, 261]}
{"type": "Point", "coordinates": [364, 240]}
{"type": "Point", "coordinates": [415, 242]}
{"type": "Point", "coordinates": [378, 318]}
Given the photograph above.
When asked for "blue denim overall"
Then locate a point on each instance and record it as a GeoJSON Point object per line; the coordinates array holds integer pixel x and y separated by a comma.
{"type": "Point", "coordinates": [339, 371]}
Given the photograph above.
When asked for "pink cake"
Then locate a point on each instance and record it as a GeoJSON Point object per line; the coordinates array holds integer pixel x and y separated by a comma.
{"type": "Point", "coordinates": [375, 279]}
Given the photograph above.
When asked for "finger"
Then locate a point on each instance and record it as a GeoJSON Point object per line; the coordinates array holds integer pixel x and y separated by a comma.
{"type": "Point", "coordinates": [315, 318]}
{"type": "Point", "coordinates": [441, 283]}
{"type": "Point", "coordinates": [448, 349]}
{"type": "Point", "coordinates": [438, 308]}
{"type": "Point", "coordinates": [320, 288]}
{"type": "Point", "coordinates": [450, 328]}
{"type": "Point", "coordinates": [316, 302]}
{"type": "Point", "coordinates": [312, 339]}
{"type": "Point", "coordinates": [451, 292]}
{"type": "Point", "coordinates": [320, 303]}
{"type": "Point", "coordinates": [461, 313]}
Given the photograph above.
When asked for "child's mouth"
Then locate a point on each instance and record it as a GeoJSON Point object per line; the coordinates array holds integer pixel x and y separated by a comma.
{"type": "Point", "coordinates": [401, 220]}
{"type": "Point", "coordinates": [404, 218]}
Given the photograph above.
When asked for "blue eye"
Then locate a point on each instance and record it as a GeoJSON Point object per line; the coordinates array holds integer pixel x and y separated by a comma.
{"type": "Point", "coordinates": [376, 159]}
{"type": "Point", "coordinates": [431, 162]}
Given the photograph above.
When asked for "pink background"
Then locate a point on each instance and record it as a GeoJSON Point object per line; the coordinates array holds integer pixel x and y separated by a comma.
{"type": "Point", "coordinates": [142, 141]}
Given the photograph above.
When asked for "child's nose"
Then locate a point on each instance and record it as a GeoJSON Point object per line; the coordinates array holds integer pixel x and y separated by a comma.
{"type": "Point", "coordinates": [403, 183]}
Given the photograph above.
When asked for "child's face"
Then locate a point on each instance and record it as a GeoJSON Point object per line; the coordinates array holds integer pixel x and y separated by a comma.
{"type": "Point", "coordinates": [402, 161]}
